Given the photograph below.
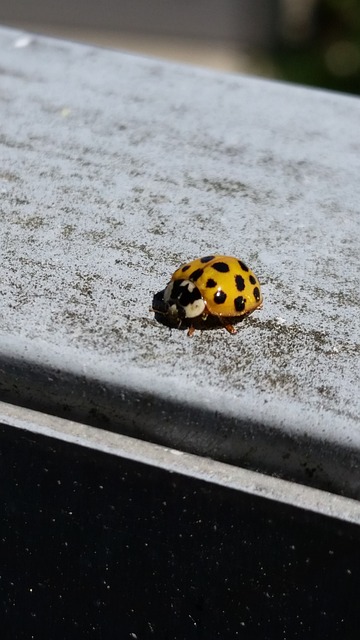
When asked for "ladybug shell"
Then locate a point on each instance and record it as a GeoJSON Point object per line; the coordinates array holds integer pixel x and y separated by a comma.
{"type": "Point", "coordinates": [228, 287]}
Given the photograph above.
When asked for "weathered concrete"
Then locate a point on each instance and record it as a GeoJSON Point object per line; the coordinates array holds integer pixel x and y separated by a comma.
{"type": "Point", "coordinates": [114, 170]}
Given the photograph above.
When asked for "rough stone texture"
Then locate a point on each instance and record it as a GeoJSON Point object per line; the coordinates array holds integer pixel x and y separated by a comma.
{"type": "Point", "coordinates": [116, 169]}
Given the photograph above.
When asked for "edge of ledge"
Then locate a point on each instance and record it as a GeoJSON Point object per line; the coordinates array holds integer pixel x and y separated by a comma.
{"type": "Point", "coordinates": [174, 461]}
{"type": "Point", "coordinates": [272, 437]}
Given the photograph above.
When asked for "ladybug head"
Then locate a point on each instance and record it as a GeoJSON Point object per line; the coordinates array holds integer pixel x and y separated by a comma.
{"type": "Point", "coordinates": [184, 299]}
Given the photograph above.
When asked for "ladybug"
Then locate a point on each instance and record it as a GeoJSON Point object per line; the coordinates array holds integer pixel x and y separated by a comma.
{"type": "Point", "coordinates": [219, 289]}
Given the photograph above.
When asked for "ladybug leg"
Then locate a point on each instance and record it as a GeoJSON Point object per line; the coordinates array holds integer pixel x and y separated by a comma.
{"type": "Point", "coordinates": [229, 327]}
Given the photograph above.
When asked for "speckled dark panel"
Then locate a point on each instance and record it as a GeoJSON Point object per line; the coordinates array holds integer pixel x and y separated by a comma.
{"type": "Point", "coordinates": [95, 546]}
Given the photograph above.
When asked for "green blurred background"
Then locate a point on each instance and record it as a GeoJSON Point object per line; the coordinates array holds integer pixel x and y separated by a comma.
{"type": "Point", "coordinates": [323, 49]}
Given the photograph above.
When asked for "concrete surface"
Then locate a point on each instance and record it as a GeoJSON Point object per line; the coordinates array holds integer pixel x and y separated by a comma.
{"type": "Point", "coordinates": [115, 169]}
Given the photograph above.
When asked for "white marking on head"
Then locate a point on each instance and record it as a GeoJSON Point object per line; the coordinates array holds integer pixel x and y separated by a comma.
{"type": "Point", "coordinates": [195, 309]}
{"type": "Point", "coordinates": [168, 291]}
{"type": "Point", "coordinates": [173, 311]}
{"type": "Point", "coordinates": [188, 284]}
{"type": "Point", "coordinates": [176, 308]}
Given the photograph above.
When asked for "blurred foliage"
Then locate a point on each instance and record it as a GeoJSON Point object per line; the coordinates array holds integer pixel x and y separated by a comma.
{"type": "Point", "coordinates": [327, 52]}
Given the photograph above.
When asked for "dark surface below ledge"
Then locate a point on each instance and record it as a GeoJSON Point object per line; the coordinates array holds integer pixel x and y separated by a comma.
{"type": "Point", "coordinates": [96, 546]}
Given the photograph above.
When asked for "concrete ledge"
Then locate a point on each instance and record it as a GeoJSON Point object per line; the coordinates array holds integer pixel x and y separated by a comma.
{"type": "Point", "coordinates": [134, 403]}
{"type": "Point", "coordinates": [116, 169]}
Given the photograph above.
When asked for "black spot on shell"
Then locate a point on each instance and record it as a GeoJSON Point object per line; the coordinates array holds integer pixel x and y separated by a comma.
{"type": "Point", "coordinates": [222, 267]}
{"type": "Point", "coordinates": [240, 283]}
{"type": "Point", "coordinates": [211, 283]}
{"type": "Point", "coordinates": [239, 303]}
{"type": "Point", "coordinates": [195, 275]}
{"type": "Point", "coordinates": [257, 294]}
{"type": "Point", "coordinates": [252, 279]}
{"type": "Point", "coordinates": [207, 258]}
{"type": "Point", "coordinates": [187, 266]}
{"type": "Point", "coordinates": [243, 265]}
{"type": "Point", "coordinates": [220, 297]}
